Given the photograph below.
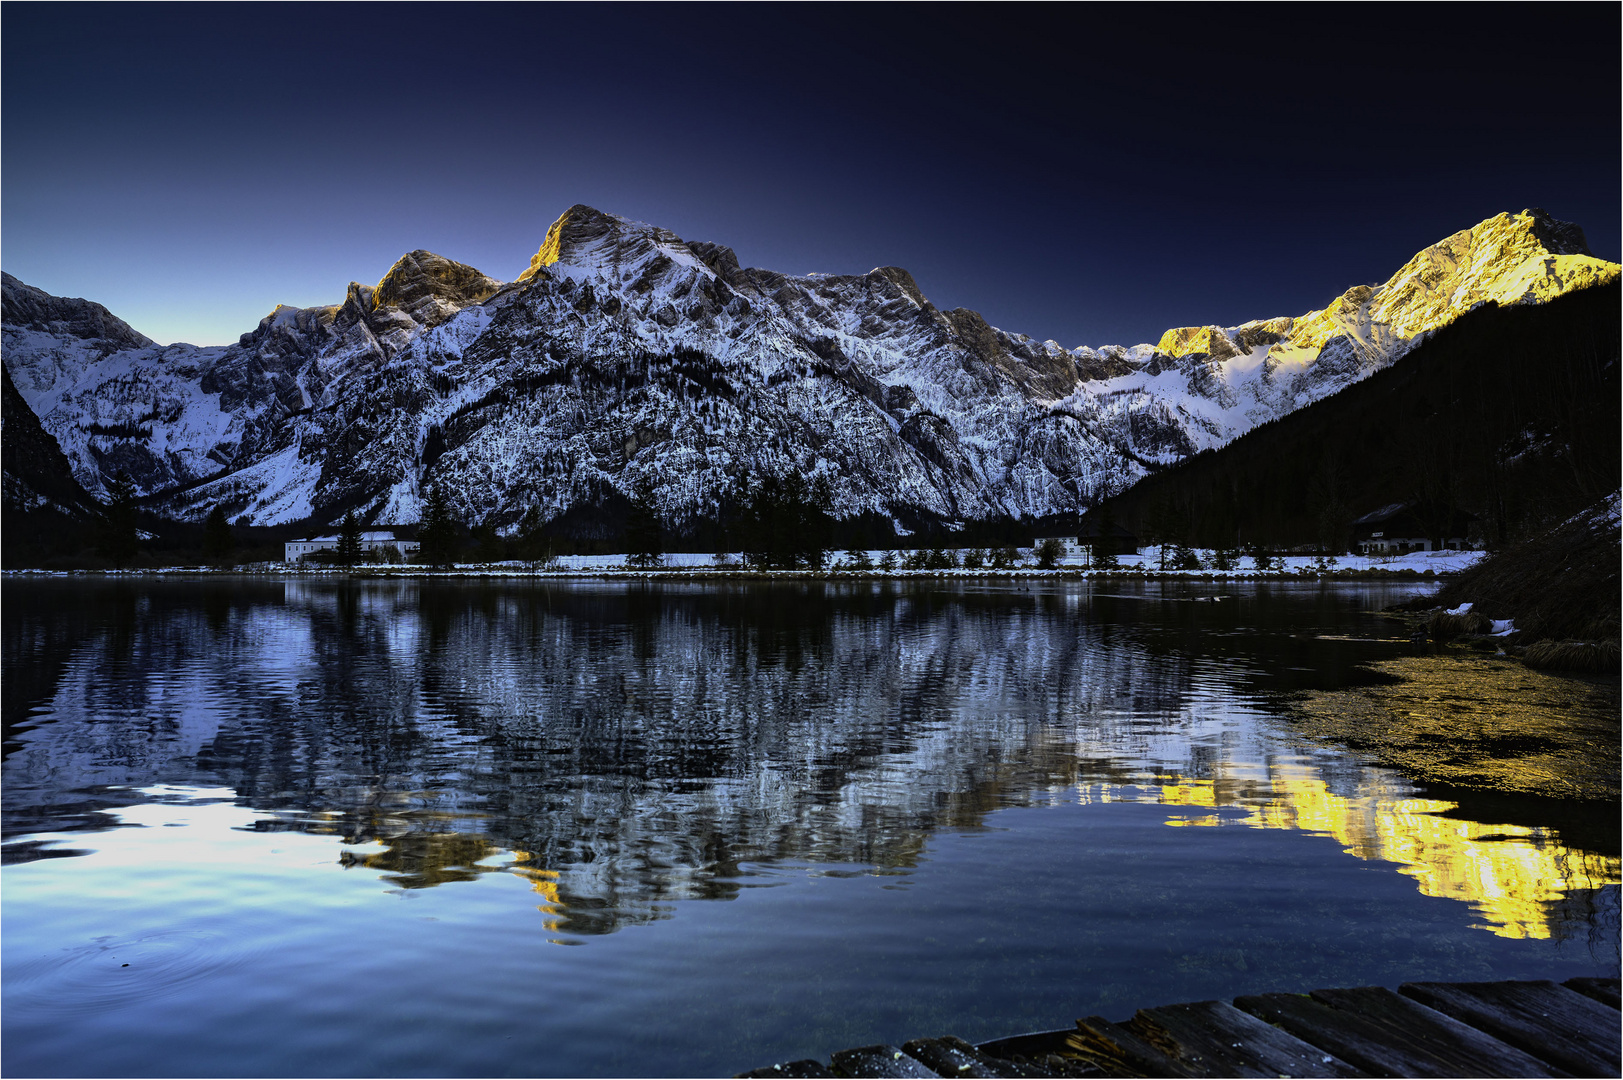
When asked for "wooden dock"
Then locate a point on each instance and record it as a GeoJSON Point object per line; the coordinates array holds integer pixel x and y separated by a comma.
{"type": "Point", "coordinates": [1427, 1029]}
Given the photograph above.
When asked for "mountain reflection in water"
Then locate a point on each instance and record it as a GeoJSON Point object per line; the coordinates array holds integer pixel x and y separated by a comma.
{"type": "Point", "coordinates": [623, 747]}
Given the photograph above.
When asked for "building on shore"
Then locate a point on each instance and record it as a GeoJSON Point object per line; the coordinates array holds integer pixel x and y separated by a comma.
{"type": "Point", "coordinates": [1399, 528]}
{"type": "Point", "coordinates": [1106, 536]}
{"type": "Point", "coordinates": [378, 544]}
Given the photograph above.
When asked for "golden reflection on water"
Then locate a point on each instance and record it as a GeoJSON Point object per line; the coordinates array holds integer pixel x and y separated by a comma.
{"type": "Point", "coordinates": [545, 882]}
{"type": "Point", "coordinates": [421, 860]}
{"type": "Point", "coordinates": [1513, 876]}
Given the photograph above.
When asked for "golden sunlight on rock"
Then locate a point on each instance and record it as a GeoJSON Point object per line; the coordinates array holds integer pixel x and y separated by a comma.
{"type": "Point", "coordinates": [1185, 340]}
{"type": "Point", "coordinates": [1506, 259]}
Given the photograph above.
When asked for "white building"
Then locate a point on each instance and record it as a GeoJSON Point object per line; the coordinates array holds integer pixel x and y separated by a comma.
{"type": "Point", "coordinates": [381, 541]}
{"type": "Point", "coordinates": [1071, 550]}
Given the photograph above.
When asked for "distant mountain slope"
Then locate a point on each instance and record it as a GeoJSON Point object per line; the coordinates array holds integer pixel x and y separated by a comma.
{"type": "Point", "coordinates": [625, 355]}
{"type": "Point", "coordinates": [1508, 413]}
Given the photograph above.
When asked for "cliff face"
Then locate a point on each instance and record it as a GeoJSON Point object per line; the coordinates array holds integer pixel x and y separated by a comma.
{"type": "Point", "coordinates": [624, 354]}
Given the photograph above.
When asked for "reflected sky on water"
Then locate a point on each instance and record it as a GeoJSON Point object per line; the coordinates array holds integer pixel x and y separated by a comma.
{"type": "Point", "coordinates": [343, 829]}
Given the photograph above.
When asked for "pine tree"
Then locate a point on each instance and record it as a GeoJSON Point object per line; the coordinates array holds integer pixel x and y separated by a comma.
{"type": "Point", "coordinates": [1006, 557]}
{"type": "Point", "coordinates": [1166, 525]}
{"type": "Point", "coordinates": [533, 545]}
{"type": "Point", "coordinates": [349, 540]}
{"type": "Point", "coordinates": [488, 544]}
{"type": "Point", "coordinates": [116, 537]}
{"type": "Point", "coordinates": [643, 540]}
{"type": "Point", "coordinates": [1104, 544]}
{"type": "Point", "coordinates": [1184, 557]}
{"type": "Point", "coordinates": [436, 533]}
{"type": "Point", "coordinates": [218, 541]}
{"type": "Point", "coordinates": [785, 523]}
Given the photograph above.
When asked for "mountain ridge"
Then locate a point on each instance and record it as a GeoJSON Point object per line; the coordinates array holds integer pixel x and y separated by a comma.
{"type": "Point", "coordinates": [625, 355]}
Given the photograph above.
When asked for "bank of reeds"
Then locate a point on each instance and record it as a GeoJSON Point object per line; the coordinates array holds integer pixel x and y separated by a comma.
{"type": "Point", "coordinates": [1592, 656]}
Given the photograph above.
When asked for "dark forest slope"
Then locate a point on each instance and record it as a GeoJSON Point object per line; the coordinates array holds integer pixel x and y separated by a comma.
{"type": "Point", "coordinates": [1511, 414]}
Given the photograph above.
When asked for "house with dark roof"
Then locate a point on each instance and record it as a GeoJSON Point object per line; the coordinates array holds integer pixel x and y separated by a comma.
{"type": "Point", "coordinates": [1399, 528]}
{"type": "Point", "coordinates": [382, 543]}
{"type": "Point", "coordinates": [1102, 536]}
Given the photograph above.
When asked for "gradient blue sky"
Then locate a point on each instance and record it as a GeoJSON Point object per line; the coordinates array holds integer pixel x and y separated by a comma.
{"type": "Point", "coordinates": [1089, 174]}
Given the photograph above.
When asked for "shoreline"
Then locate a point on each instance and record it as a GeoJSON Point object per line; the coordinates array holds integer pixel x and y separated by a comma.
{"type": "Point", "coordinates": [693, 573]}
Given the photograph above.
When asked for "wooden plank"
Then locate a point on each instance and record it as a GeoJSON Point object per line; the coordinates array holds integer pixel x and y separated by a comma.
{"type": "Point", "coordinates": [1604, 991]}
{"type": "Point", "coordinates": [1375, 1048]}
{"type": "Point", "coordinates": [1039, 1053]}
{"type": "Point", "coordinates": [1220, 1040]}
{"type": "Point", "coordinates": [793, 1069]}
{"type": "Point", "coordinates": [951, 1056]}
{"type": "Point", "coordinates": [1117, 1050]}
{"type": "Point", "coordinates": [880, 1060]}
{"type": "Point", "coordinates": [1475, 1052]}
{"type": "Point", "coordinates": [1554, 1024]}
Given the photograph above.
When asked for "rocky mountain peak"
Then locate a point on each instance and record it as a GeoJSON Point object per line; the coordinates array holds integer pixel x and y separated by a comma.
{"type": "Point", "coordinates": [904, 281]}
{"type": "Point", "coordinates": [722, 260]}
{"type": "Point", "coordinates": [1189, 340]}
{"type": "Point", "coordinates": [1557, 237]}
{"type": "Point", "coordinates": [26, 307]}
{"type": "Point", "coordinates": [587, 242]}
{"type": "Point", "coordinates": [431, 288]}
{"type": "Point", "coordinates": [1528, 257]}
{"type": "Point", "coordinates": [1508, 259]}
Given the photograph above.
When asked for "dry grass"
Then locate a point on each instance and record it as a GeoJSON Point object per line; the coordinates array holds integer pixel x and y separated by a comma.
{"type": "Point", "coordinates": [1446, 626]}
{"type": "Point", "coordinates": [1592, 656]}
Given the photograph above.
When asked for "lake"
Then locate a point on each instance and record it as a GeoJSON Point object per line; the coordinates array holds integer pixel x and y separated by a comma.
{"type": "Point", "coordinates": [260, 827]}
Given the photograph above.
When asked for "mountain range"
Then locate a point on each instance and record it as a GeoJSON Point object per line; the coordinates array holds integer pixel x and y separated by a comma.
{"type": "Point", "coordinates": [625, 358]}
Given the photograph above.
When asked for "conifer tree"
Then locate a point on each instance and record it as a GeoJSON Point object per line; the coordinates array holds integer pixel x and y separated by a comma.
{"type": "Point", "coordinates": [218, 541]}
{"type": "Point", "coordinates": [116, 538]}
{"type": "Point", "coordinates": [436, 533]}
{"type": "Point", "coordinates": [785, 523]}
{"type": "Point", "coordinates": [349, 539]}
{"type": "Point", "coordinates": [489, 546]}
{"type": "Point", "coordinates": [533, 545]}
{"type": "Point", "coordinates": [1104, 544]}
{"type": "Point", "coordinates": [643, 540]}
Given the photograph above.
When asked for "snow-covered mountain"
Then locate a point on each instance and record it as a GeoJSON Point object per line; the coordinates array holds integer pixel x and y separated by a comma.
{"type": "Point", "coordinates": [625, 354]}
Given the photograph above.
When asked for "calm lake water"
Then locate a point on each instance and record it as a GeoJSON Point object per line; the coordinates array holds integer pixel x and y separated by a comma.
{"type": "Point", "coordinates": [302, 828]}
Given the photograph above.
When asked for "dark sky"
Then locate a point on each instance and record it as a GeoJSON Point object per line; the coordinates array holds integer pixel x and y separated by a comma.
{"type": "Point", "coordinates": [1091, 174]}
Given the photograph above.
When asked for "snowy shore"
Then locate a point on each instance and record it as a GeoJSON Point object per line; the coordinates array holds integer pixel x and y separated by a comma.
{"type": "Point", "coordinates": [682, 565]}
